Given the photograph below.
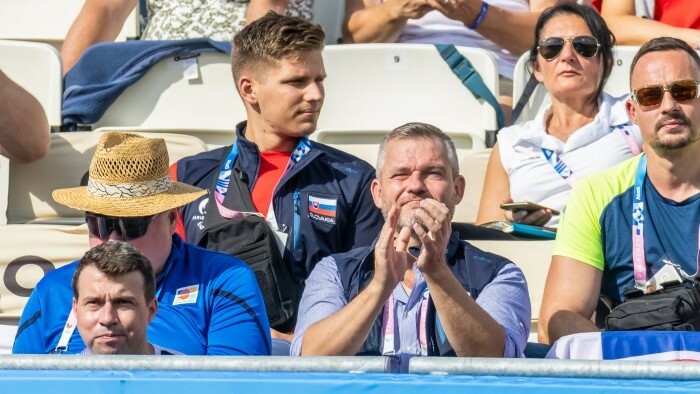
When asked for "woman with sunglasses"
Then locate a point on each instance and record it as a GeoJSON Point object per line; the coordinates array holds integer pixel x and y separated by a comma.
{"type": "Point", "coordinates": [584, 129]}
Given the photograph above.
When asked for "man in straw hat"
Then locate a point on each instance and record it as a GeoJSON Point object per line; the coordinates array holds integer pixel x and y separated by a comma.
{"type": "Point", "coordinates": [314, 197]}
{"type": "Point", "coordinates": [209, 302]}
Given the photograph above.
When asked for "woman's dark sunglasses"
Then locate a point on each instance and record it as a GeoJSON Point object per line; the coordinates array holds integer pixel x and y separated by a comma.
{"type": "Point", "coordinates": [128, 228]}
{"type": "Point", "coordinates": [652, 96]}
{"type": "Point", "coordinates": [551, 47]}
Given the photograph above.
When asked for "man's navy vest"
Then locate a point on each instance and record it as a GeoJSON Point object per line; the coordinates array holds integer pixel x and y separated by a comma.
{"type": "Point", "coordinates": [473, 268]}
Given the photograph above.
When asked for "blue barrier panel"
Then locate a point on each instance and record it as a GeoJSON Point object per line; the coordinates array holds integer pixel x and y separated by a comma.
{"type": "Point", "coordinates": [150, 382]}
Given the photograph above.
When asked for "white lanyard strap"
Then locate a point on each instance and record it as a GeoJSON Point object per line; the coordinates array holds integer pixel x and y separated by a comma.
{"type": "Point", "coordinates": [67, 333]}
{"type": "Point", "coordinates": [389, 324]}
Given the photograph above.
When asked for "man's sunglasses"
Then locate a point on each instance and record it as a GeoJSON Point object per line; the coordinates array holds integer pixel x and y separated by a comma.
{"type": "Point", "coordinates": [128, 228]}
{"type": "Point", "coordinates": [551, 47]}
{"type": "Point", "coordinates": [652, 96]}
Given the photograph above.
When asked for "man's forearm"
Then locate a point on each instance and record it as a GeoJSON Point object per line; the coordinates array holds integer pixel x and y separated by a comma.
{"type": "Point", "coordinates": [344, 332]}
{"type": "Point", "coordinates": [381, 23]}
{"type": "Point", "coordinates": [631, 30]}
{"type": "Point", "coordinates": [563, 323]}
{"type": "Point", "coordinates": [470, 330]}
{"type": "Point", "coordinates": [512, 31]}
{"type": "Point", "coordinates": [98, 21]}
{"type": "Point", "coordinates": [24, 129]}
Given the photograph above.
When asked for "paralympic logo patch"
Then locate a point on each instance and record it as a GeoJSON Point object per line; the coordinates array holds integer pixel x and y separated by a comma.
{"type": "Point", "coordinates": [186, 295]}
{"type": "Point", "coordinates": [323, 209]}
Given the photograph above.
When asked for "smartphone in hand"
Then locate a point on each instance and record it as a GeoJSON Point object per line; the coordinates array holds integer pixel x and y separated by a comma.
{"type": "Point", "coordinates": [526, 206]}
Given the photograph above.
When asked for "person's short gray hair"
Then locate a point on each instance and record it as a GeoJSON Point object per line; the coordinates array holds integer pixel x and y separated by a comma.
{"type": "Point", "coordinates": [419, 130]}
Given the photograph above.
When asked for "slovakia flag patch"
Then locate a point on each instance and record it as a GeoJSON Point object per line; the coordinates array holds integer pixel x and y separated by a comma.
{"type": "Point", "coordinates": [323, 209]}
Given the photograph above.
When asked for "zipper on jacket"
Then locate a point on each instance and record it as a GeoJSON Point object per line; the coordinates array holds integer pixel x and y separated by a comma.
{"type": "Point", "coordinates": [297, 220]}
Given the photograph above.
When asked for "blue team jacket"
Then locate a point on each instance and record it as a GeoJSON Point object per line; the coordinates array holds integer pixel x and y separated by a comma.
{"type": "Point", "coordinates": [208, 303]}
{"type": "Point", "coordinates": [325, 174]}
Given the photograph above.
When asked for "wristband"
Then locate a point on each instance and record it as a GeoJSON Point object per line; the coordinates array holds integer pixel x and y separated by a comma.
{"type": "Point", "coordinates": [480, 18]}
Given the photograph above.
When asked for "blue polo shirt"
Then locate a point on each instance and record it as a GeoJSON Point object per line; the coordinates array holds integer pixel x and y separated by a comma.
{"type": "Point", "coordinates": [209, 303]}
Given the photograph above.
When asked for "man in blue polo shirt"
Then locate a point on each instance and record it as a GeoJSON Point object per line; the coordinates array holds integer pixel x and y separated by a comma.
{"type": "Point", "coordinates": [209, 303]}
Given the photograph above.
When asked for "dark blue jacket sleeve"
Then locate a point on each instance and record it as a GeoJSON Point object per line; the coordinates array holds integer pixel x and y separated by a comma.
{"type": "Point", "coordinates": [366, 219]}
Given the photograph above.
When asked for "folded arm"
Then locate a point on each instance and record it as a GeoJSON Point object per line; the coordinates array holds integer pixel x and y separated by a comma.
{"type": "Point", "coordinates": [511, 30]}
{"type": "Point", "coordinates": [98, 21]}
{"type": "Point", "coordinates": [632, 30]}
{"type": "Point", "coordinates": [379, 21]}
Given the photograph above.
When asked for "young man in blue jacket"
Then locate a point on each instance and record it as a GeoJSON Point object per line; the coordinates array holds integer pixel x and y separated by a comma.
{"type": "Point", "coordinates": [316, 198]}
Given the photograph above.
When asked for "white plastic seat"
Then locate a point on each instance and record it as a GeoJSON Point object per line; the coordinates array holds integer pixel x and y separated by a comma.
{"type": "Point", "coordinates": [382, 86]}
{"type": "Point", "coordinates": [618, 83]}
{"type": "Point", "coordinates": [163, 99]}
{"type": "Point", "coordinates": [30, 250]}
{"type": "Point", "coordinates": [37, 68]}
{"type": "Point", "coordinates": [533, 258]}
{"type": "Point", "coordinates": [48, 21]}
{"type": "Point", "coordinates": [473, 168]}
{"type": "Point", "coordinates": [213, 138]}
{"type": "Point", "coordinates": [365, 143]}
{"type": "Point", "coordinates": [31, 185]}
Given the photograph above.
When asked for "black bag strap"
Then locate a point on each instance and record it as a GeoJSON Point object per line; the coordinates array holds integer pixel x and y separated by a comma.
{"type": "Point", "coordinates": [524, 98]}
{"type": "Point", "coordinates": [237, 198]}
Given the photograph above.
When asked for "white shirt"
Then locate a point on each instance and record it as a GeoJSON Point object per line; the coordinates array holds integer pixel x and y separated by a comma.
{"type": "Point", "coordinates": [436, 28]}
{"type": "Point", "coordinates": [593, 147]}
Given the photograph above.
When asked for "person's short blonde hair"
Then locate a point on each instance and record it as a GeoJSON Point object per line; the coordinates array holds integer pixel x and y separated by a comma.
{"type": "Point", "coordinates": [272, 38]}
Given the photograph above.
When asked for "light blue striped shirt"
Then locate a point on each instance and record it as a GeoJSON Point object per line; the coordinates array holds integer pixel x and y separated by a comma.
{"type": "Point", "coordinates": [505, 299]}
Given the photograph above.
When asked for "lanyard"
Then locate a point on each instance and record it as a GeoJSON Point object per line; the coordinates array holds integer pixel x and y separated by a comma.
{"type": "Point", "coordinates": [567, 174]}
{"type": "Point", "coordinates": [66, 334]}
{"type": "Point", "coordinates": [559, 166]}
{"type": "Point", "coordinates": [224, 180]}
{"type": "Point", "coordinates": [389, 322]}
{"type": "Point", "coordinates": [638, 252]}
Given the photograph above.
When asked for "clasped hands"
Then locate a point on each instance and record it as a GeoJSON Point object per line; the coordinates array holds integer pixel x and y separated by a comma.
{"type": "Point", "coordinates": [461, 10]}
{"type": "Point", "coordinates": [391, 256]}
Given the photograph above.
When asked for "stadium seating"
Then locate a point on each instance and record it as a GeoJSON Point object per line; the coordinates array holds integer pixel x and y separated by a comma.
{"type": "Point", "coordinates": [617, 84]}
{"type": "Point", "coordinates": [533, 258]}
{"type": "Point", "coordinates": [164, 99]}
{"type": "Point", "coordinates": [30, 185]}
{"type": "Point", "coordinates": [37, 68]}
{"type": "Point", "coordinates": [28, 252]}
{"type": "Point", "coordinates": [365, 143]}
{"type": "Point", "coordinates": [473, 168]}
{"type": "Point", "coordinates": [382, 86]}
{"type": "Point", "coordinates": [48, 21]}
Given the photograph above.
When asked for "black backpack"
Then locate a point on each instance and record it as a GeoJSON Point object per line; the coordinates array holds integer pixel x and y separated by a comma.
{"type": "Point", "coordinates": [251, 239]}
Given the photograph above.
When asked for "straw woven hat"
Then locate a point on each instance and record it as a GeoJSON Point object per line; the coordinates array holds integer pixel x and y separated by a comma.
{"type": "Point", "coordinates": [128, 177]}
